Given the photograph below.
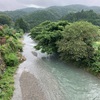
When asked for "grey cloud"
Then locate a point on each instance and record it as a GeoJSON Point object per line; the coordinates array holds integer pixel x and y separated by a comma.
{"type": "Point", "coordinates": [17, 4]}
{"type": "Point", "coordinates": [10, 5]}
{"type": "Point", "coordinates": [26, 1]}
{"type": "Point", "coordinates": [44, 3]}
{"type": "Point", "coordinates": [47, 3]}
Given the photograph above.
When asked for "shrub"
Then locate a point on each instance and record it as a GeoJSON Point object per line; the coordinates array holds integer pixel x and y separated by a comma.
{"type": "Point", "coordinates": [96, 64]}
{"type": "Point", "coordinates": [19, 35]}
{"type": "Point", "coordinates": [96, 67]}
{"type": "Point", "coordinates": [11, 59]}
{"type": "Point", "coordinates": [77, 42]}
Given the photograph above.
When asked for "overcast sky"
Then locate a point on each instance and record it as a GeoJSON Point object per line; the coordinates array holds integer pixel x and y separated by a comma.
{"type": "Point", "coordinates": [17, 4]}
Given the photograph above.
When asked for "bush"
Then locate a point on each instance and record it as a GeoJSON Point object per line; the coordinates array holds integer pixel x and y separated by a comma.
{"type": "Point", "coordinates": [14, 44]}
{"type": "Point", "coordinates": [96, 67]}
{"type": "Point", "coordinates": [19, 35]}
{"type": "Point", "coordinates": [11, 59]}
{"type": "Point", "coordinates": [47, 34]}
{"type": "Point", "coordinates": [7, 83]}
{"type": "Point", "coordinates": [77, 42]}
{"type": "Point", "coordinates": [96, 64]}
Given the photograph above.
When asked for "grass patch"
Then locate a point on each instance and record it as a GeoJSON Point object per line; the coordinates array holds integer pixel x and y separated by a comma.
{"type": "Point", "coordinates": [7, 83]}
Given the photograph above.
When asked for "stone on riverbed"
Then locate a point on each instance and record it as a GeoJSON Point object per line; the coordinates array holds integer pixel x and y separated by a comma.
{"type": "Point", "coordinates": [34, 53]}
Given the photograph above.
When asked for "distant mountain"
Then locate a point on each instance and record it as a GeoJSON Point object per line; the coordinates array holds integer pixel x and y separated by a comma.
{"type": "Point", "coordinates": [40, 16]}
{"type": "Point", "coordinates": [30, 9]}
{"type": "Point", "coordinates": [15, 14]}
{"type": "Point", "coordinates": [55, 13]}
{"type": "Point", "coordinates": [89, 16]}
{"type": "Point", "coordinates": [35, 16]}
{"type": "Point", "coordinates": [21, 12]}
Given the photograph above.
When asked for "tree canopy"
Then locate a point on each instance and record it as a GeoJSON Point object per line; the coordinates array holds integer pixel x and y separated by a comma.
{"type": "Point", "coordinates": [21, 24]}
{"type": "Point", "coordinates": [89, 16]}
{"type": "Point", "coordinates": [77, 42]}
{"type": "Point", "coordinates": [4, 19]}
{"type": "Point", "coordinates": [47, 34]}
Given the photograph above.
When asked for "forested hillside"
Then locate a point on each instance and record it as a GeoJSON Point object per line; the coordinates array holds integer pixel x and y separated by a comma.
{"type": "Point", "coordinates": [89, 16]}
{"type": "Point", "coordinates": [55, 13]}
{"type": "Point", "coordinates": [35, 16]}
{"type": "Point", "coordinates": [20, 13]}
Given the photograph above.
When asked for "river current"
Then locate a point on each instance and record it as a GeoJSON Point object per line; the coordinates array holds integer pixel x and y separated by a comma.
{"type": "Point", "coordinates": [59, 81]}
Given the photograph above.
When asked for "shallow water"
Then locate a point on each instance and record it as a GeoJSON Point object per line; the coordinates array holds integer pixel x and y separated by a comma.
{"type": "Point", "coordinates": [59, 81]}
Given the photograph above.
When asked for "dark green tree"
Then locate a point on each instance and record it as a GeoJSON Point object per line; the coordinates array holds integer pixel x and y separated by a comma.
{"type": "Point", "coordinates": [77, 42]}
{"type": "Point", "coordinates": [89, 16]}
{"type": "Point", "coordinates": [21, 24]}
{"type": "Point", "coordinates": [47, 34]}
{"type": "Point", "coordinates": [4, 19]}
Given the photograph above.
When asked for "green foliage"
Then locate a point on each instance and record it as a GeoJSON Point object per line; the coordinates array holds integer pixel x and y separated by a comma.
{"type": "Point", "coordinates": [89, 16]}
{"type": "Point", "coordinates": [7, 84]}
{"type": "Point", "coordinates": [34, 16]}
{"type": "Point", "coordinates": [48, 34]}
{"type": "Point", "coordinates": [55, 13]}
{"type": "Point", "coordinates": [7, 32]}
{"type": "Point", "coordinates": [77, 41]}
{"type": "Point", "coordinates": [96, 64]}
{"type": "Point", "coordinates": [5, 49]}
{"type": "Point", "coordinates": [11, 59]}
{"type": "Point", "coordinates": [12, 44]}
{"type": "Point", "coordinates": [38, 17]}
{"type": "Point", "coordinates": [21, 24]}
{"type": "Point", "coordinates": [20, 13]}
{"type": "Point", "coordinates": [19, 35]}
{"type": "Point", "coordinates": [4, 19]}
{"type": "Point", "coordinates": [9, 52]}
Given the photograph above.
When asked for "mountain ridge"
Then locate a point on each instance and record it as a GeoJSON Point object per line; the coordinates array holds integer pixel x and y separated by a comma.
{"type": "Point", "coordinates": [35, 16]}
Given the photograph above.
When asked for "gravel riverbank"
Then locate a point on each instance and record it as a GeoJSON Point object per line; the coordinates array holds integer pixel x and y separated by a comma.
{"type": "Point", "coordinates": [31, 90]}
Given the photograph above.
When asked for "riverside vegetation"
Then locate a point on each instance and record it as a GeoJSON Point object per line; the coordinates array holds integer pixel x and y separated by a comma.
{"type": "Point", "coordinates": [10, 57]}
{"type": "Point", "coordinates": [77, 42]}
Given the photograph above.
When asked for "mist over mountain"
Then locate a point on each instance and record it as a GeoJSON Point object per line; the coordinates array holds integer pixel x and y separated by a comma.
{"type": "Point", "coordinates": [35, 16]}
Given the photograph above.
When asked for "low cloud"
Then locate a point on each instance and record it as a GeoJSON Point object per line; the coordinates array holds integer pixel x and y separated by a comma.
{"type": "Point", "coordinates": [17, 4]}
{"type": "Point", "coordinates": [47, 3]}
{"type": "Point", "coordinates": [35, 6]}
{"type": "Point", "coordinates": [10, 5]}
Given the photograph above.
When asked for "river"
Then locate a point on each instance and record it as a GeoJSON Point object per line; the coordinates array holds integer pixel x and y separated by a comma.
{"type": "Point", "coordinates": [57, 80]}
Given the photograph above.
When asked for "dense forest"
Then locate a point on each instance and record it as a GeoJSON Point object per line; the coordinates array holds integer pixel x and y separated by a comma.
{"type": "Point", "coordinates": [72, 32]}
{"type": "Point", "coordinates": [89, 16]}
{"type": "Point", "coordinates": [34, 16]}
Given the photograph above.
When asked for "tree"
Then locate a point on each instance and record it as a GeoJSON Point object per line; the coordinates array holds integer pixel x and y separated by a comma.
{"type": "Point", "coordinates": [77, 42]}
{"type": "Point", "coordinates": [47, 34]}
{"type": "Point", "coordinates": [21, 24]}
{"type": "Point", "coordinates": [89, 16]}
{"type": "Point", "coordinates": [4, 19]}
